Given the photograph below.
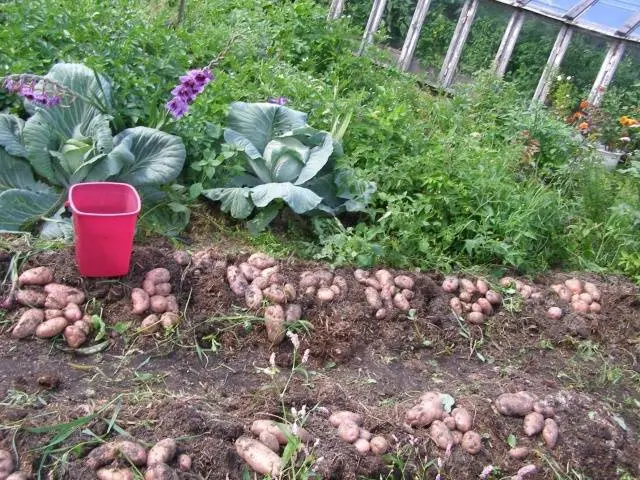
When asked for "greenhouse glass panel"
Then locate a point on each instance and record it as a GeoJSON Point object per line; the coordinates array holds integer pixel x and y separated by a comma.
{"type": "Point", "coordinates": [555, 7]}
{"type": "Point", "coordinates": [610, 14]}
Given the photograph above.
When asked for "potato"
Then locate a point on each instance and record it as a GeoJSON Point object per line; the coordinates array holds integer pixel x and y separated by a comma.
{"type": "Point", "coordinates": [537, 297]}
{"type": "Point", "coordinates": [387, 292]}
{"type": "Point", "coordinates": [475, 307]}
{"type": "Point", "coordinates": [592, 290]}
{"type": "Point", "coordinates": [381, 313]}
{"type": "Point", "coordinates": [310, 292]}
{"type": "Point", "coordinates": [169, 319]}
{"type": "Point", "coordinates": [465, 296]}
{"type": "Point", "coordinates": [384, 277]}
{"type": "Point", "coordinates": [341, 283]}
{"type": "Point", "coordinates": [182, 257]}
{"type": "Point", "coordinates": [275, 294]}
{"type": "Point", "coordinates": [466, 307]}
{"type": "Point", "coordinates": [349, 432]}
{"type": "Point", "coordinates": [75, 335]}
{"type": "Point", "coordinates": [550, 432]}
{"type": "Point", "coordinates": [374, 283]}
{"type": "Point", "coordinates": [336, 290]}
{"type": "Point", "coordinates": [293, 312]}
{"type": "Point", "coordinates": [533, 423]}
{"type": "Point", "coordinates": [163, 289]}
{"type": "Point", "coordinates": [160, 471]}
{"type": "Point", "coordinates": [258, 456]}
{"type": "Point", "coordinates": [28, 323]}
{"type": "Point", "coordinates": [373, 297]}
{"type": "Point", "coordinates": [253, 297]}
{"type": "Point", "coordinates": [325, 294]}
{"type": "Point", "coordinates": [325, 277]}
{"type": "Point", "coordinates": [468, 286]}
{"type": "Point", "coordinates": [586, 297]}
{"type": "Point", "coordinates": [236, 280]}
{"type": "Point", "coordinates": [506, 282]}
{"type": "Point", "coordinates": [270, 441]}
{"type": "Point", "coordinates": [519, 453]}
{"type": "Point", "coordinates": [457, 437]}
{"type": "Point", "coordinates": [362, 446]}
{"type": "Point", "coordinates": [35, 276]}
{"type": "Point", "coordinates": [290, 292]}
{"type": "Point", "coordinates": [172, 304]}
{"type": "Point", "coordinates": [337, 418]}
{"type": "Point", "coordinates": [361, 275]}
{"type": "Point", "coordinates": [519, 284]}
{"type": "Point", "coordinates": [482, 286]}
{"type": "Point", "coordinates": [450, 284]}
{"type": "Point", "coordinates": [260, 283]}
{"type": "Point", "coordinates": [494, 297]}
{"type": "Point", "coordinates": [249, 271]}
{"type": "Point", "coordinates": [140, 301]}
{"type": "Point", "coordinates": [6, 464]}
{"type": "Point", "coordinates": [53, 313]}
{"type": "Point", "coordinates": [475, 318]}
{"type": "Point", "coordinates": [261, 261]}
{"type": "Point", "coordinates": [456, 305]}
{"type": "Point", "coordinates": [278, 430]}
{"type": "Point", "coordinates": [366, 434]}
{"type": "Point", "coordinates": [574, 285]}
{"type": "Point", "coordinates": [133, 452]}
{"type": "Point", "coordinates": [580, 306]}
{"type": "Point", "coordinates": [404, 281]}
{"type": "Point", "coordinates": [72, 312]}
{"type": "Point", "coordinates": [84, 325]}
{"type": "Point", "coordinates": [276, 279]}
{"type": "Point", "coordinates": [63, 294]}
{"type": "Point", "coordinates": [158, 304]}
{"type": "Point", "coordinates": [31, 298]}
{"type": "Point", "coordinates": [441, 435]}
{"type": "Point", "coordinates": [430, 397]}
{"type": "Point", "coordinates": [184, 462]}
{"type": "Point", "coordinates": [270, 272]}
{"type": "Point", "coordinates": [515, 404]}
{"type": "Point", "coordinates": [526, 471]}
{"type": "Point", "coordinates": [18, 476]}
{"type": "Point", "coordinates": [401, 303]}
{"type": "Point", "coordinates": [423, 414]}
{"type": "Point", "coordinates": [102, 455]}
{"type": "Point", "coordinates": [158, 275]}
{"type": "Point", "coordinates": [408, 294]}
{"type": "Point", "coordinates": [114, 474]}
{"type": "Point", "coordinates": [485, 305]}
{"type": "Point", "coordinates": [462, 418]}
{"type": "Point", "coordinates": [309, 280]}
{"type": "Point", "coordinates": [162, 452]}
{"type": "Point", "coordinates": [274, 321]}
{"type": "Point", "coordinates": [379, 445]}
{"type": "Point", "coordinates": [545, 410]}
{"type": "Point", "coordinates": [151, 324]}
{"type": "Point", "coordinates": [595, 307]}
{"type": "Point", "coordinates": [149, 287]}
{"type": "Point", "coordinates": [449, 422]}
{"type": "Point", "coordinates": [564, 293]}
{"type": "Point", "coordinates": [51, 328]}
{"type": "Point", "coordinates": [554, 313]}
{"type": "Point", "coordinates": [471, 442]}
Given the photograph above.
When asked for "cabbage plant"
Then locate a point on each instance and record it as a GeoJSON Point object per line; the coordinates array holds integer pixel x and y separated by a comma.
{"type": "Point", "coordinates": [285, 162]}
{"type": "Point", "coordinates": [70, 141]}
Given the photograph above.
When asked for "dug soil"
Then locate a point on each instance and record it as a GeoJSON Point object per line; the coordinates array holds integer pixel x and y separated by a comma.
{"type": "Point", "coordinates": [205, 382]}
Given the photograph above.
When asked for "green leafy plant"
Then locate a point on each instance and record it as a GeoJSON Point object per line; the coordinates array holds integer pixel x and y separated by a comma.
{"type": "Point", "coordinates": [283, 160]}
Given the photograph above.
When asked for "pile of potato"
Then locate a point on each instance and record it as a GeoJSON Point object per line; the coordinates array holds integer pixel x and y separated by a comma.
{"type": "Point", "coordinates": [263, 455]}
{"type": "Point", "coordinates": [584, 297]}
{"type": "Point", "coordinates": [538, 417]}
{"type": "Point", "coordinates": [7, 468]}
{"type": "Point", "coordinates": [384, 292]}
{"type": "Point", "coordinates": [446, 430]}
{"type": "Point", "coordinates": [476, 299]}
{"type": "Point", "coordinates": [526, 291]}
{"type": "Point", "coordinates": [349, 425]}
{"type": "Point", "coordinates": [157, 460]}
{"type": "Point", "coordinates": [155, 297]}
{"type": "Point", "coordinates": [54, 308]}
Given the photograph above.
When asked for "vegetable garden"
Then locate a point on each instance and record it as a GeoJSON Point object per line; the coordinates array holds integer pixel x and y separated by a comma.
{"type": "Point", "coordinates": [337, 271]}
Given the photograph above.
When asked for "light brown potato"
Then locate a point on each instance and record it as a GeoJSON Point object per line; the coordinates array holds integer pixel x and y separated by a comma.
{"type": "Point", "coordinates": [466, 307]}
{"type": "Point", "coordinates": [486, 306]}
{"type": "Point", "coordinates": [84, 325]}
{"type": "Point", "coordinates": [526, 471]}
{"type": "Point", "coordinates": [366, 434]}
{"type": "Point", "coordinates": [101, 456]}
{"type": "Point", "coordinates": [580, 306]}
{"type": "Point", "coordinates": [384, 277]}
{"type": "Point", "coordinates": [336, 290]}
{"type": "Point", "coordinates": [149, 287]}
{"type": "Point", "coordinates": [132, 451]}
{"type": "Point", "coordinates": [554, 313]}
{"type": "Point", "coordinates": [172, 304]}
{"type": "Point", "coordinates": [468, 286]}
{"type": "Point", "coordinates": [290, 292]}
{"type": "Point", "coordinates": [341, 283]}
{"type": "Point", "coordinates": [519, 285]}
{"type": "Point", "coordinates": [35, 276]}
{"type": "Point", "coordinates": [253, 297]}
{"type": "Point", "coordinates": [160, 471]}
{"type": "Point", "coordinates": [595, 307]}
{"type": "Point", "coordinates": [325, 295]}
{"type": "Point", "coordinates": [362, 446]}
{"type": "Point", "coordinates": [471, 442]}
{"type": "Point", "coordinates": [592, 290]}
{"type": "Point", "coordinates": [401, 303]}
{"type": "Point", "coordinates": [404, 281]}
{"type": "Point", "coordinates": [475, 318]}
{"type": "Point", "coordinates": [169, 319]}
{"type": "Point", "coordinates": [386, 293]}
{"type": "Point", "coordinates": [494, 297]}
{"type": "Point", "coordinates": [456, 305]}
{"type": "Point", "coordinates": [373, 297]}
{"type": "Point", "coordinates": [564, 293]}
{"type": "Point", "coordinates": [533, 423]}
{"type": "Point", "coordinates": [275, 294]}
{"type": "Point", "coordinates": [586, 298]}
{"type": "Point", "coordinates": [475, 307]}
{"type": "Point", "coordinates": [506, 281]}
{"type": "Point", "coordinates": [6, 464]}
{"type": "Point", "coordinates": [163, 289]}
{"type": "Point", "coordinates": [261, 261]}
{"type": "Point", "coordinates": [158, 275]}
{"type": "Point", "coordinates": [374, 283]}
{"type": "Point", "coordinates": [274, 321]}
{"type": "Point", "coordinates": [361, 275]}
{"type": "Point", "coordinates": [184, 462]}
{"type": "Point", "coordinates": [449, 422]}
{"type": "Point", "coordinates": [450, 284]}
{"type": "Point", "coordinates": [457, 436]}
{"type": "Point", "coordinates": [74, 336]}
{"type": "Point", "coordinates": [526, 291]}
{"type": "Point", "coordinates": [379, 445]}
{"type": "Point", "coordinates": [249, 271]}
{"type": "Point", "coordinates": [515, 404]}
{"type": "Point", "coordinates": [462, 418]}
{"type": "Point", "coordinates": [575, 298]}
{"type": "Point", "coordinates": [423, 414]}
{"type": "Point", "coordinates": [237, 282]}
{"type": "Point", "coordinates": [151, 324]}
{"type": "Point", "coordinates": [345, 416]}
{"type": "Point", "coordinates": [31, 298]}
{"type": "Point", "coordinates": [269, 440]}
{"type": "Point", "coordinates": [278, 430]}
{"type": "Point", "coordinates": [293, 312]}
{"type": "Point", "coordinates": [162, 452]}
{"type": "Point", "coordinates": [51, 328]}
{"type": "Point", "coordinates": [408, 294]}
{"type": "Point", "coordinates": [114, 474]}
{"type": "Point", "coordinates": [260, 283]}
{"type": "Point", "coordinates": [325, 277]}
{"type": "Point", "coordinates": [381, 313]}
{"type": "Point", "coordinates": [519, 453]}
{"type": "Point", "coordinates": [72, 312]}
{"type": "Point", "coordinates": [545, 410]}
{"type": "Point", "coordinates": [63, 294]}
{"type": "Point", "coordinates": [465, 296]}
{"type": "Point", "coordinates": [182, 257]}
{"type": "Point", "coordinates": [258, 456]}
{"type": "Point", "coordinates": [276, 279]}
{"type": "Point", "coordinates": [482, 286]}
{"type": "Point", "coordinates": [309, 280]}
{"type": "Point", "coordinates": [574, 285]}
{"type": "Point", "coordinates": [349, 432]}
{"type": "Point", "coordinates": [441, 435]}
{"type": "Point", "coordinates": [28, 323]}
{"type": "Point", "coordinates": [53, 313]}
{"type": "Point", "coordinates": [158, 304]}
{"type": "Point", "coordinates": [310, 291]}
{"type": "Point", "coordinates": [550, 432]}
{"type": "Point", "coordinates": [18, 476]}
{"type": "Point", "coordinates": [140, 301]}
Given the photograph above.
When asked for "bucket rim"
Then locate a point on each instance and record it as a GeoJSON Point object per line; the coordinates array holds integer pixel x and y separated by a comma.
{"type": "Point", "coordinates": [74, 209]}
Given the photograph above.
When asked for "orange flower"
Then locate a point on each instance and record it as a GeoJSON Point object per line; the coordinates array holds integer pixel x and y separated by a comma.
{"type": "Point", "coordinates": [583, 126]}
{"type": "Point", "coordinates": [584, 104]}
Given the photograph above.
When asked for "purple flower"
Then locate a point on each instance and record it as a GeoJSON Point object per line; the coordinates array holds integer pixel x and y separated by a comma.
{"type": "Point", "coordinates": [201, 76]}
{"type": "Point", "coordinates": [12, 86]}
{"type": "Point", "coordinates": [184, 92]}
{"type": "Point", "coordinates": [189, 83]}
{"type": "Point", "coordinates": [177, 107]}
{"type": "Point", "coordinates": [279, 101]}
{"type": "Point", "coordinates": [27, 92]}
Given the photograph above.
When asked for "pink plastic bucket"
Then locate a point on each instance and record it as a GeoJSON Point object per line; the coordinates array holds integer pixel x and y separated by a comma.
{"type": "Point", "coordinates": [104, 222]}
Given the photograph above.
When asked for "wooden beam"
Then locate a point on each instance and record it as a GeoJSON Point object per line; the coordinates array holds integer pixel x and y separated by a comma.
{"type": "Point", "coordinates": [335, 10]}
{"type": "Point", "coordinates": [553, 63]}
{"type": "Point", "coordinates": [630, 25]}
{"type": "Point", "coordinates": [508, 42]}
{"type": "Point", "coordinates": [372, 24]}
{"type": "Point", "coordinates": [454, 52]}
{"type": "Point", "coordinates": [413, 34]}
{"type": "Point", "coordinates": [607, 70]}
{"type": "Point", "coordinates": [578, 9]}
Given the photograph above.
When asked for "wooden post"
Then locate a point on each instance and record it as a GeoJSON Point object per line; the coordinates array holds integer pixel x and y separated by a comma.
{"type": "Point", "coordinates": [372, 24]}
{"type": "Point", "coordinates": [553, 63]}
{"type": "Point", "coordinates": [508, 42]}
{"type": "Point", "coordinates": [413, 34]}
{"type": "Point", "coordinates": [335, 10]}
{"type": "Point", "coordinates": [607, 70]}
{"type": "Point", "coordinates": [454, 53]}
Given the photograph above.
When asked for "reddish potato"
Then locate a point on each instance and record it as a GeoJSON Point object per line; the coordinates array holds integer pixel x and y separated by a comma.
{"type": "Point", "coordinates": [381, 313]}
{"type": "Point", "coordinates": [114, 474]}
{"type": "Point", "coordinates": [102, 455]}
{"type": "Point", "coordinates": [149, 287]}
{"type": "Point", "coordinates": [51, 328]}
{"type": "Point", "coordinates": [554, 313]}
{"type": "Point", "coordinates": [468, 286]}
{"type": "Point", "coordinates": [348, 431]}
{"type": "Point", "coordinates": [366, 434]}
{"type": "Point", "coordinates": [595, 307]}
{"type": "Point", "coordinates": [260, 283]}
{"type": "Point", "coordinates": [236, 280]}
{"type": "Point", "coordinates": [515, 404]}
{"type": "Point", "coordinates": [163, 289]}
{"type": "Point", "coordinates": [341, 283]}
{"type": "Point", "coordinates": [182, 257]}
{"type": "Point", "coordinates": [475, 307]}
{"type": "Point", "coordinates": [59, 295]}
{"type": "Point", "coordinates": [482, 286]}
{"type": "Point", "coordinates": [131, 451]}
{"type": "Point", "coordinates": [457, 436]}
{"type": "Point", "coordinates": [456, 305]}
{"type": "Point", "coordinates": [336, 290]}
{"type": "Point", "coordinates": [533, 423]}
{"type": "Point", "coordinates": [6, 464]}
{"type": "Point", "coordinates": [574, 285]}
{"type": "Point", "coordinates": [450, 284]}
{"type": "Point", "coordinates": [486, 306]}
{"type": "Point", "coordinates": [361, 275]}
{"type": "Point", "coordinates": [462, 418]}
{"type": "Point", "coordinates": [404, 282]}
{"type": "Point", "coordinates": [293, 312]}
{"type": "Point", "coordinates": [269, 440]}
{"type": "Point", "coordinates": [475, 318]}
{"type": "Point", "coordinates": [258, 456]}
{"type": "Point", "coordinates": [580, 306]}
{"type": "Point", "coordinates": [550, 432]}
{"type": "Point", "coordinates": [53, 313]}
{"type": "Point", "coordinates": [160, 471]}
{"type": "Point", "coordinates": [28, 323]}
{"type": "Point", "coordinates": [162, 452]}
{"type": "Point", "coordinates": [362, 446]}
{"type": "Point", "coordinates": [506, 282]}
{"type": "Point", "coordinates": [379, 445]}
{"type": "Point", "coordinates": [526, 471]}
{"type": "Point", "coordinates": [158, 275]}
{"type": "Point", "coordinates": [184, 462]}
{"type": "Point", "coordinates": [169, 319]}
{"type": "Point", "coordinates": [519, 452]}
{"type": "Point", "coordinates": [151, 324]}
{"type": "Point", "coordinates": [586, 298]}
{"type": "Point", "coordinates": [440, 434]}
{"type": "Point", "coordinates": [408, 294]}
{"type": "Point", "coordinates": [278, 430]}
{"type": "Point", "coordinates": [372, 282]}
{"type": "Point", "coordinates": [261, 261]}
{"type": "Point", "coordinates": [401, 303]}
{"type": "Point", "coordinates": [274, 321]}
{"type": "Point", "coordinates": [384, 277]}
{"type": "Point", "coordinates": [158, 304]}
{"type": "Point", "coordinates": [494, 297]}
{"type": "Point", "coordinates": [275, 294]}
{"type": "Point", "coordinates": [84, 325]}
{"type": "Point", "coordinates": [373, 297]}
{"type": "Point", "coordinates": [564, 293]}
{"type": "Point", "coordinates": [140, 301]}
{"type": "Point", "coordinates": [172, 304]}
{"type": "Point", "coordinates": [35, 276]}
{"type": "Point", "coordinates": [325, 277]}
{"type": "Point", "coordinates": [592, 290]}
{"type": "Point", "coordinates": [75, 335]}
{"type": "Point", "coordinates": [18, 476]}
{"type": "Point", "coordinates": [325, 295]}
{"type": "Point", "coordinates": [253, 297]}
{"type": "Point", "coordinates": [345, 416]}
{"type": "Point", "coordinates": [526, 291]}
{"type": "Point", "coordinates": [449, 422]}
{"type": "Point", "coordinates": [249, 271]}
{"type": "Point", "coordinates": [72, 312]}
{"type": "Point", "coordinates": [268, 273]}
{"type": "Point", "coordinates": [471, 442]}
{"type": "Point", "coordinates": [423, 414]}
{"type": "Point", "coordinates": [309, 280]}
{"type": "Point", "coordinates": [465, 296]}
{"type": "Point", "coordinates": [544, 409]}
{"type": "Point", "coordinates": [31, 298]}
